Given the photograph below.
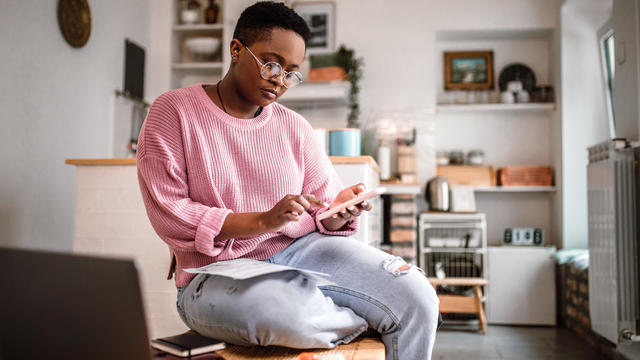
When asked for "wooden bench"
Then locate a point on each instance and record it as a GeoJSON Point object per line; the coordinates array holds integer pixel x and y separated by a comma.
{"type": "Point", "coordinates": [368, 348]}
{"type": "Point", "coordinates": [458, 304]}
{"type": "Point", "coordinates": [364, 348]}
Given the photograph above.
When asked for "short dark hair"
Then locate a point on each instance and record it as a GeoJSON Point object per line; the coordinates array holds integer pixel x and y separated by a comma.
{"type": "Point", "coordinates": [268, 15]}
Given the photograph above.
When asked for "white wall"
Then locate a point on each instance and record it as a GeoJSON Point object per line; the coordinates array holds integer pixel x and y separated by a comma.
{"type": "Point", "coordinates": [57, 103]}
{"type": "Point", "coordinates": [627, 77]}
{"type": "Point", "coordinates": [584, 114]}
{"type": "Point", "coordinates": [397, 42]}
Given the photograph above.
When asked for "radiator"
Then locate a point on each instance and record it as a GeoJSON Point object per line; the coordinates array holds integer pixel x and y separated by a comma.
{"type": "Point", "coordinates": [613, 241]}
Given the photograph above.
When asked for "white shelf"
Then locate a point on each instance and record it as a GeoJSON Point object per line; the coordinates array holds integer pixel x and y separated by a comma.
{"type": "Point", "coordinates": [494, 34]}
{"type": "Point", "coordinates": [514, 189]}
{"type": "Point", "coordinates": [197, 27]}
{"type": "Point", "coordinates": [401, 189]}
{"type": "Point", "coordinates": [197, 66]}
{"type": "Point", "coordinates": [496, 107]}
{"type": "Point", "coordinates": [317, 94]}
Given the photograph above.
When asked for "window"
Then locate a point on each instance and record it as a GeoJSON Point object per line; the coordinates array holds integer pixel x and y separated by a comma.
{"type": "Point", "coordinates": [606, 46]}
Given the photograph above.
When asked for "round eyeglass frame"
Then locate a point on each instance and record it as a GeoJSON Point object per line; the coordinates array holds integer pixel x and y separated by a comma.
{"type": "Point", "coordinates": [264, 70]}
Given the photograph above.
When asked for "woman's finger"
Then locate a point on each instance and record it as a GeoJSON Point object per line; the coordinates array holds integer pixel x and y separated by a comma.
{"type": "Point", "coordinates": [353, 210]}
{"type": "Point", "coordinates": [302, 200]}
{"type": "Point", "coordinates": [358, 188]}
{"type": "Point", "coordinates": [365, 205]}
{"type": "Point", "coordinates": [313, 201]}
{"type": "Point", "coordinates": [295, 207]}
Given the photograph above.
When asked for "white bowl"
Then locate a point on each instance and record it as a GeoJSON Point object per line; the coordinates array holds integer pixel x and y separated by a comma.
{"type": "Point", "coordinates": [202, 46]}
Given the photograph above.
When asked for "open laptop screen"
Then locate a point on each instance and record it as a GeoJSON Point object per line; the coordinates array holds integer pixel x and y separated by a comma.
{"type": "Point", "coordinates": [65, 306]}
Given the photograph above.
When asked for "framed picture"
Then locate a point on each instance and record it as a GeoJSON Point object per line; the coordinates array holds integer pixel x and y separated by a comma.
{"type": "Point", "coordinates": [320, 17]}
{"type": "Point", "coordinates": [468, 70]}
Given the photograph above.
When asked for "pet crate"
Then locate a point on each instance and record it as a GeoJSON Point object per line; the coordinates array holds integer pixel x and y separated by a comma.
{"type": "Point", "coordinates": [453, 246]}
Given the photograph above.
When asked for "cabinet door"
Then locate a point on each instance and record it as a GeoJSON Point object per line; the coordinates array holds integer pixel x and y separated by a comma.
{"type": "Point", "coordinates": [521, 286]}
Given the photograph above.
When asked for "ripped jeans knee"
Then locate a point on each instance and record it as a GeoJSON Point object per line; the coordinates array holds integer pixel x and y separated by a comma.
{"type": "Point", "coordinates": [397, 266]}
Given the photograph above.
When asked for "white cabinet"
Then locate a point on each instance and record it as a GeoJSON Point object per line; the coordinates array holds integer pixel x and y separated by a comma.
{"type": "Point", "coordinates": [521, 285]}
{"type": "Point", "coordinates": [363, 169]}
{"type": "Point", "coordinates": [110, 220]}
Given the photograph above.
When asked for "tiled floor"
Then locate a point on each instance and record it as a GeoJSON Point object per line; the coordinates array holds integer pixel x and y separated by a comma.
{"type": "Point", "coordinates": [511, 342]}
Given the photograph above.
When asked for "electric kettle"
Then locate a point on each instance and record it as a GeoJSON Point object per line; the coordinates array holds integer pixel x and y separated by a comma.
{"type": "Point", "coordinates": [437, 194]}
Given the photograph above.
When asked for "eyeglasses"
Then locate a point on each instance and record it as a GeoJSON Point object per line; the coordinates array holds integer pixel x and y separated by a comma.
{"type": "Point", "coordinates": [272, 70]}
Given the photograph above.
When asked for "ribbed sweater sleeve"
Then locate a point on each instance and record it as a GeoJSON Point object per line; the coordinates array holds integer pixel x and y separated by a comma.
{"type": "Point", "coordinates": [321, 180]}
{"type": "Point", "coordinates": [182, 223]}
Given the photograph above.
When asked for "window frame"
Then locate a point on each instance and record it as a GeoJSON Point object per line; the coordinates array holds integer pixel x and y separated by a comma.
{"type": "Point", "coordinates": [604, 33]}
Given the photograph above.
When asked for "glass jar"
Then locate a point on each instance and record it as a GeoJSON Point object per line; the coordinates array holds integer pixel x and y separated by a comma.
{"type": "Point", "coordinates": [475, 157]}
{"type": "Point", "coordinates": [442, 158]}
{"type": "Point", "coordinates": [456, 157]}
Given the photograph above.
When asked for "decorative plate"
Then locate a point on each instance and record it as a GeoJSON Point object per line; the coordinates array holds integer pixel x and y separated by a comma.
{"type": "Point", "coordinates": [74, 19]}
{"type": "Point", "coordinates": [519, 72]}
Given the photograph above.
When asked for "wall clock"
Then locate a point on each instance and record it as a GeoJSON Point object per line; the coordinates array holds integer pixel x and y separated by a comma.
{"type": "Point", "coordinates": [74, 19]}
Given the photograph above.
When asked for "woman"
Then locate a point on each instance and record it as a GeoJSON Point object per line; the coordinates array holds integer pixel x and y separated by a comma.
{"type": "Point", "coordinates": [226, 173]}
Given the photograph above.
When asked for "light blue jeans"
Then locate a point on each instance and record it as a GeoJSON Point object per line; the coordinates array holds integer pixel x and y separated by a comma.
{"type": "Point", "coordinates": [288, 309]}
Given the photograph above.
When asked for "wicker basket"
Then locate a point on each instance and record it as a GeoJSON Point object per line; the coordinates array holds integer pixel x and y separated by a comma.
{"type": "Point", "coordinates": [525, 176]}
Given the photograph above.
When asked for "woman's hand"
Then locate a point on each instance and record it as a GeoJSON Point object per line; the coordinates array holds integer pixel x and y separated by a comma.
{"type": "Point", "coordinates": [286, 210]}
{"type": "Point", "coordinates": [338, 220]}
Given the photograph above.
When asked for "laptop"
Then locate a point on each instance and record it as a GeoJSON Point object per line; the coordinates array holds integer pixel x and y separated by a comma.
{"type": "Point", "coordinates": [65, 306]}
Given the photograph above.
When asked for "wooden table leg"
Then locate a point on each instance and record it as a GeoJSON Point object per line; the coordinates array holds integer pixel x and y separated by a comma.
{"type": "Point", "coordinates": [483, 319]}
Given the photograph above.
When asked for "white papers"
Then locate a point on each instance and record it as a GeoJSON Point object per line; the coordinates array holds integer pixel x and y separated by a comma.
{"type": "Point", "coordinates": [241, 269]}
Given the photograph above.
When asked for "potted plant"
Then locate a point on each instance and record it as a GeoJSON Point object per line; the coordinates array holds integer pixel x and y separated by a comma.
{"type": "Point", "coordinates": [352, 67]}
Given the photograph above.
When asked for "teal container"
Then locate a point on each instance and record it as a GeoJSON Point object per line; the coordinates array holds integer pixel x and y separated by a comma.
{"type": "Point", "coordinates": [344, 142]}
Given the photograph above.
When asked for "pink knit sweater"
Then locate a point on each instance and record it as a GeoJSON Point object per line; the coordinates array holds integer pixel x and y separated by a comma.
{"type": "Point", "coordinates": [197, 164]}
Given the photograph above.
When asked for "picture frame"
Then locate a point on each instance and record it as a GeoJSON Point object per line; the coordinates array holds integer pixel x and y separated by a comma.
{"type": "Point", "coordinates": [468, 70]}
{"type": "Point", "coordinates": [320, 17]}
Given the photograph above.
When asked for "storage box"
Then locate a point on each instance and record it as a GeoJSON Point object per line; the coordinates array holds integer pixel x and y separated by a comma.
{"type": "Point", "coordinates": [468, 175]}
{"type": "Point", "coordinates": [525, 176]}
{"type": "Point", "coordinates": [330, 73]}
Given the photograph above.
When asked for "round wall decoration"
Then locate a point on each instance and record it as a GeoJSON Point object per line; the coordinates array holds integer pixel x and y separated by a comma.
{"type": "Point", "coordinates": [74, 19]}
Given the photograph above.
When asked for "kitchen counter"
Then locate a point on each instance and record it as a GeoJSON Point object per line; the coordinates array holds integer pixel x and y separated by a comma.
{"type": "Point", "coordinates": [132, 161]}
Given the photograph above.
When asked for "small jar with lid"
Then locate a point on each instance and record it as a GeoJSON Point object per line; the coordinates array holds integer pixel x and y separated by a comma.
{"type": "Point", "coordinates": [442, 158]}
{"type": "Point", "coordinates": [456, 157]}
{"type": "Point", "coordinates": [475, 157]}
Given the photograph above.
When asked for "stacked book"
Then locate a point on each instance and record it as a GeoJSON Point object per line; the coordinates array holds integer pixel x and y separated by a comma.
{"type": "Point", "coordinates": [403, 224]}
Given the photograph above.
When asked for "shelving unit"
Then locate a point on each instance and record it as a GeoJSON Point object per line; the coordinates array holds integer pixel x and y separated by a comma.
{"type": "Point", "coordinates": [509, 134]}
{"type": "Point", "coordinates": [187, 69]}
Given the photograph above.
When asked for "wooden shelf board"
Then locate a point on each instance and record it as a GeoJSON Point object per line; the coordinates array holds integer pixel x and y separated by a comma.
{"type": "Point", "coordinates": [197, 66]}
{"type": "Point", "coordinates": [513, 189]}
{"type": "Point", "coordinates": [394, 188]}
{"type": "Point", "coordinates": [497, 107]}
{"type": "Point", "coordinates": [196, 27]}
{"type": "Point", "coordinates": [111, 161]}
{"type": "Point", "coordinates": [493, 34]}
{"type": "Point", "coordinates": [356, 160]}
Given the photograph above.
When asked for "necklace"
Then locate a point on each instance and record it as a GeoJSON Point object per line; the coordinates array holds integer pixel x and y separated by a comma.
{"type": "Point", "coordinates": [222, 102]}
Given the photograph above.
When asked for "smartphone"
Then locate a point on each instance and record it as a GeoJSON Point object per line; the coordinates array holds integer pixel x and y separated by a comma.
{"type": "Point", "coordinates": [355, 201]}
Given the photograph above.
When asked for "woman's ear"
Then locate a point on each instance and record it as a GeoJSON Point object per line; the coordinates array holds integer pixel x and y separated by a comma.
{"type": "Point", "coordinates": [235, 48]}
